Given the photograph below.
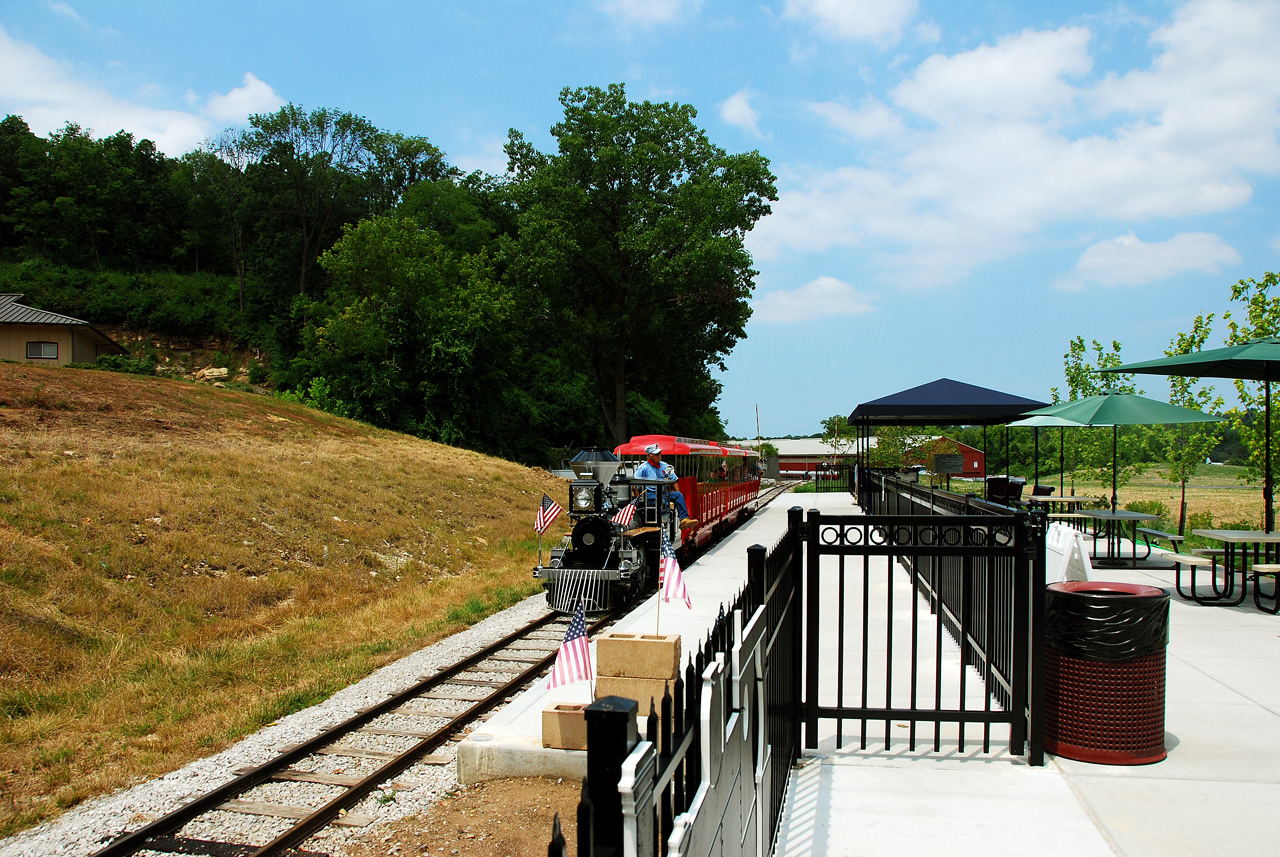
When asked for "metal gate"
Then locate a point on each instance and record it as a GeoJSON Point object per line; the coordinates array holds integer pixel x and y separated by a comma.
{"type": "Point", "coordinates": [921, 629]}
{"type": "Point", "coordinates": [832, 477]}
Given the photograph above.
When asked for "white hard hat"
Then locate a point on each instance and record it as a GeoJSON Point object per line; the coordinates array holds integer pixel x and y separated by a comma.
{"type": "Point", "coordinates": [653, 449]}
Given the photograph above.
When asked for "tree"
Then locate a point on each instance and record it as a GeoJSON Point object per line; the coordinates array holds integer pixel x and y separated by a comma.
{"type": "Point", "coordinates": [631, 244]}
{"type": "Point", "coordinates": [1261, 317]}
{"type": "Point", "coordinates": [218, 174]}
{"type": "Point", "coordinates": [1187, 445]}
{"type": "Point", "coordinates": [892, 443]}
{"type": "Point", "coordinates": [413, 335]}
{"type": "Point", "coordinates": [837, 435]}
{"type": "Point", "coordinates": [318, 161]}
{"type": "Point", "coordinates": [1090, 448]}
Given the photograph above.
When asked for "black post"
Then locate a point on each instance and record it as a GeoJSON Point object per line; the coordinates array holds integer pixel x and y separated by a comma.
{"type": "Point", "coordinates": [1269, 514]}
{"type": "Point", "coordinates": [1062, 461]}
{"type": "Point", "coordinates": [586, 823]}
{"type": "Point", "coordinates": [756, 575]}
{"type": "Point", "coordinates": [795, 530]}
{"type": "Point", "coordinates": [1115, 432]}
{"type": "Point", "coordinates": [1006, 450]}
{"type": "Point", "coordinates": [811, 646]}
{"type": "Point", "coordinates": [1036, 432]}
{"type": "Point", "coordinates": [1035, 651]}
{"type": "Point", "coordinates": [557, 847]}
{"type": "Point", "coordinates": [611, 735]}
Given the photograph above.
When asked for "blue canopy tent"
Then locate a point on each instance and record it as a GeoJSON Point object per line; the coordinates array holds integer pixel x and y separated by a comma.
{"type": "Point", "coordinates": [943, 402]}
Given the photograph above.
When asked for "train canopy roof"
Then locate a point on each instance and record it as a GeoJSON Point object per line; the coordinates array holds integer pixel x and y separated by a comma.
{"type": "Point", "coordinates": [673, 445]}
{"type": "Point", "coordinates": [944, 402]}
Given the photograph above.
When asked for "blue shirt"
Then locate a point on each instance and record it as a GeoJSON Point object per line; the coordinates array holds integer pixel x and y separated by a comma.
{"type": "Point", "coordinates": [663, 471]}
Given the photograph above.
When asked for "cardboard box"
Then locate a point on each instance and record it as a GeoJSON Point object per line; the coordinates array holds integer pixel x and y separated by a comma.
{"type": "Point", "coordinates": [638, 656]}
{"type": "Point", "coordinates": [564, 726]}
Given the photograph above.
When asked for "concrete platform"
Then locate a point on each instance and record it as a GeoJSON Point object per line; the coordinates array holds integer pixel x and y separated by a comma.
{"type": "Point", "coordinates": [510, 744]}
{"type": "Point", "coordinates": [1222, 725]}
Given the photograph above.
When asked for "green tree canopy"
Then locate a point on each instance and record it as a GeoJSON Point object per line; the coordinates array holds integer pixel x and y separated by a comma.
{"type": "Point", "coordinates": [631, 245]}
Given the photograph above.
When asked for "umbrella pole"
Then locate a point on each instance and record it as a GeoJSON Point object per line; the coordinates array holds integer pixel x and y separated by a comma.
{"type": "Point", "coordinates": [1268, 515]}
{"type": "Point", "coordinates": [1036, 430]}
{"type": "Point", "coordinates": [1115, 430]}
{"type": "Point", "coordinates": [1062, 460]}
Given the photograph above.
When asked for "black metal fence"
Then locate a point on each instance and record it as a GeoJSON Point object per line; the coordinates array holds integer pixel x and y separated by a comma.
{"type": "Point", "coordinates": [737, 704]}
{"type": "Point", "coordinates": [976, 571]}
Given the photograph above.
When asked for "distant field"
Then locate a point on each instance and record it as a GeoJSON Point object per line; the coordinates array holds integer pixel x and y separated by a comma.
{"type": "Point", "coordinates": [1218, 490]}
{"type": "Point", "coordinates": [180, 565]}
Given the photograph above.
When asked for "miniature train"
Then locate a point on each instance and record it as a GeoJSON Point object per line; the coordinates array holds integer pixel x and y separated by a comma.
{"type": "Point", "coordinates": [607, 561]}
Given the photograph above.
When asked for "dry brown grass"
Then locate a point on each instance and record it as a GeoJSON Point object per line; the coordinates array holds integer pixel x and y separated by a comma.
{"type": "Point", "coordinates": [1215, 490]}
{"type": "Point", "coordinates": [180, 565]}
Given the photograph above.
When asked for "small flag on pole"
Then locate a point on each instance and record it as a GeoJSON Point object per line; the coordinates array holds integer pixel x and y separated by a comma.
{"type": "Point", "coordinates": [625, 514]}
{"type": "Point", "coordinates": [573, 660]}
{"type": "Point", "coordinates": [672, 580]}
{"type": "Point", "coordinates": [548, 511]}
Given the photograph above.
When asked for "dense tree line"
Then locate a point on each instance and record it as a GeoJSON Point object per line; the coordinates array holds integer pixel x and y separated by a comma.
{"type": "Point", "coordinates": [580, 298]}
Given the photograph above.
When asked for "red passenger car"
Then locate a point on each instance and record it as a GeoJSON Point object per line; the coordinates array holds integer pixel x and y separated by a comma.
{"type": "Point", "coordinates": [720, 483]}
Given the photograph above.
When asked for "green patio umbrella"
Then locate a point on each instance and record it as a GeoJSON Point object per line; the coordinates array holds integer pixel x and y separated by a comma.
{"type": "Point", "coordinates": [1255, 360]}
{"type": "Point", "coordinates": [1059, 423]}
{"type": "Point", "coordinates": [1122, 409]}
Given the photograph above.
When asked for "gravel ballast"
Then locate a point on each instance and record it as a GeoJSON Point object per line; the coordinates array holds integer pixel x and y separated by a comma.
{"type": "Point", "coordinates": [90, 826]}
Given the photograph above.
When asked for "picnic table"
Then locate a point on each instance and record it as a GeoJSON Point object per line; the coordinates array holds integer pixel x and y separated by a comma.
{"type": "Point", "coordinates": [1109, 524]}
{"type": "Point", "coordinates": [1236, 562]}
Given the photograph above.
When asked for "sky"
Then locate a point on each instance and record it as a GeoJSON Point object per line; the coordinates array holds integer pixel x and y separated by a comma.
{"type": "Point", "coordinates": [963, 186]}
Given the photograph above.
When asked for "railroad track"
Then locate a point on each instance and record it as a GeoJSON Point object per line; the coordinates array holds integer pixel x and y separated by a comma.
{"type": "Point", "coordinates": [387, 738]}
{"type": "Point", "coordinates": [383, 740]}
{"type": "Point", "coordinates": [767, 497]}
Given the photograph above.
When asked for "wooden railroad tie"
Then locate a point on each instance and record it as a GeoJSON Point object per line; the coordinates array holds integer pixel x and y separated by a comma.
{"type": "Point", "coordinates": [277, 810]}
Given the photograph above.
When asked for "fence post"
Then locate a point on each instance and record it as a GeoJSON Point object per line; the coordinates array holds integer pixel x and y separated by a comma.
{"type": "Point", "coordinates": [611, 735]}
{"type": "Point", "coordinates": [1035, 633]}
{"type": "Point", "coordinates": [756, 577]}
{"type": "Point", "coordinates": [811, 648]}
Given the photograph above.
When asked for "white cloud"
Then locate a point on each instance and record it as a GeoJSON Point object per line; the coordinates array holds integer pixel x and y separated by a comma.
{"type": "Point", "coordinates": [47, 95]}
{"type": "Point", "coordinates": [879, 21]}
{"type": "Point", "coordinates": [253, 96]}
{"type": "Point", "coordinates": [67, 11]}
{"type": "Point", "coordinates": [737, 111]}
{"type": "Point", "coordinates": [489, 157]}
{"type": "Point", "coordinates": [1127, 261]}
{"type": "Point", "coordinates": [824, 297]}
{"type": "Point", "coordinates": [43, 92]}
{"type": "Point", "coordinates": [874, 120]}
{"type": "Point", "coordinates": [974, 153]}
{"type": "Point", "coordinates": [646, 13]}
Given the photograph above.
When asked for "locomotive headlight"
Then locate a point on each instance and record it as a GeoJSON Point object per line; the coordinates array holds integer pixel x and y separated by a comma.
{"type": "Point", "coordinates": [584, 497]}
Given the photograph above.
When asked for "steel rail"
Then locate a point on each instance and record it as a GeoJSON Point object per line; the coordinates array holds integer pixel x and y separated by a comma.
{"type": "Point", "coordinates": [133, 842]}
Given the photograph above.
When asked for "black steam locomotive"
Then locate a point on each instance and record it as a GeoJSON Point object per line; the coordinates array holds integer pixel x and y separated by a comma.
{"type": "Point", "coordinates": [606, 562]}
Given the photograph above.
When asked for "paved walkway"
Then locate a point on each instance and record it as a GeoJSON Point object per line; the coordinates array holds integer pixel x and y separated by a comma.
{"type": "Point", "coordinates": [1214, 794]}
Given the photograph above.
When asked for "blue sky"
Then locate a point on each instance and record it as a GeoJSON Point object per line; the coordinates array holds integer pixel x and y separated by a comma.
{"type": "Point", "coordinates": [963, 186]}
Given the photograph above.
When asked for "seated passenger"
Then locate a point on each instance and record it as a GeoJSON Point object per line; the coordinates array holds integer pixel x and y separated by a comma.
{"type": "Point", "coordinates": [657, 469]}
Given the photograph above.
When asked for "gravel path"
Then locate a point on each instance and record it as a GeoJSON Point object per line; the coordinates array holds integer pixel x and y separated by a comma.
{"type": "Point", "coordinates": [89, 827]}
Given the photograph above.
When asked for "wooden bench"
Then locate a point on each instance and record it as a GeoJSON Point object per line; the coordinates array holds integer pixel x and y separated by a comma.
{"type": "Point", "coordinates": [1172, 538]}
{"type": "Point", "coordinates": [1194, 560]}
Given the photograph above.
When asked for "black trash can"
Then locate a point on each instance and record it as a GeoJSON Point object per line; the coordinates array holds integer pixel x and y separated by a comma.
{"type": "Point", "coordinates": [1105, 671]}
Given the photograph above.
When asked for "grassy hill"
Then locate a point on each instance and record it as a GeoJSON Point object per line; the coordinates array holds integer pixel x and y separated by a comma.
{"type": "Point", "coordinates": [180, 565]}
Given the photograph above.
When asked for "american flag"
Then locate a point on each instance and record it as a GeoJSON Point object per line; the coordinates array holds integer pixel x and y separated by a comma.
{"type": "Point", "coordinates": [625, 514]}
{"type": "Point", "coordinates": [548, 511]}
{"type": "Point", "coordinates": [573, 660]}
{"type": "Point", "coordinates": [669, 573]}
